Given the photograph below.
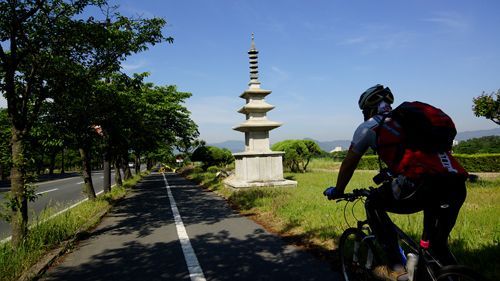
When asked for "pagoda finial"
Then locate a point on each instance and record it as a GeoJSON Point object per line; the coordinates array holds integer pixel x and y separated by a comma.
{"type": "Point", "coordinates": [254, 72]}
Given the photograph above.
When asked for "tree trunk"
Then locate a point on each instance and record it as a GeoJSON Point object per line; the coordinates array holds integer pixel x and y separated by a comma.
{"type": "Point", "coordinates": [62, 161]}
{"type": "Point", "coordinates": [87, 173]}
{"type": "Point", "coordinates": [118, 175]}
{"type": "Point", "coordinates": [107, 171]}
{"type": "Point", "coordinates": [39, 166]}
{"type": "Point", "coordinates": [149, 164]}
{"type": "Point", "coordinates": [137, 163]}
{"type": "Point", "coordinates": [1, 172]}
{"type": "Point", "coordinates": [127, 174]}
{"type": "Point", "coordinates": [19, 218]}
{"type": "Point", "coordinates": [52, 162]}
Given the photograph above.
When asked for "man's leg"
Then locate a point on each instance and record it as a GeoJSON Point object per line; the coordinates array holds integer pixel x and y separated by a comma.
{"type": "Point", "coordinates": [444, 216]}
{"type": "Point", "coordinates": [377, 205]}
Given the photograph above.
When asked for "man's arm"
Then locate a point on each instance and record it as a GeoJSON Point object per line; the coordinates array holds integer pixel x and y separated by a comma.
{"type": "Point", "coordinates": [347, 168]}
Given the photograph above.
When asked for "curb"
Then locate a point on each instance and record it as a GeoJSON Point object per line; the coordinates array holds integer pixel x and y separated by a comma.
{"type": "Point", "coordinates": [38, 269]}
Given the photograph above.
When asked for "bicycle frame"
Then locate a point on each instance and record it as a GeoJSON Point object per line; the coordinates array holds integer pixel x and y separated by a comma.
{"type": "Point", "coordinates": [425, 258]}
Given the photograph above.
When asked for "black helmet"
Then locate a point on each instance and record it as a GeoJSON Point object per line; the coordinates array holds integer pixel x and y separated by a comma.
{"type": "Point", "coordinates": [374, 95]}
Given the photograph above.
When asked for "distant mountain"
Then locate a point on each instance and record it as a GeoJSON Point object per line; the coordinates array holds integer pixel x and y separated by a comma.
{"type": "Point", "coordinates": [232, 145]}
{"type": "Point", "coordinates": [239, 146]}
{"type": "Point", "coordinates": [331, 145]}
{"type": "Point", "coordinates": [477, 134]}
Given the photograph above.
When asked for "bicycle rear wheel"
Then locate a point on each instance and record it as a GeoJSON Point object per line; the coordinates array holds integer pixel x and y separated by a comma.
{"type": "Point", "coordinates": [458, 273]}
{"type": "Point", "coordinates": [357, 255]}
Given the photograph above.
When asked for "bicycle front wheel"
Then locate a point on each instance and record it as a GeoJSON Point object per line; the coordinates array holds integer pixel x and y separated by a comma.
{"type": "Point", "coordinates": [458, 273]}
{"type": "Point", "coordinates": [357, 255]}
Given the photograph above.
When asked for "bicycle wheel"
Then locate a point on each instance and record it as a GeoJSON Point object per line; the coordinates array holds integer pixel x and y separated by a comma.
{"type": "Point", "coordinates": [357, 255]}
{"type": "Point", "coordinates": [458, 273]}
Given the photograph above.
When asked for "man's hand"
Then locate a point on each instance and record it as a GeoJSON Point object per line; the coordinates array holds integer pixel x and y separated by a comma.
{"type": "Point", "coordinates": [331, 193]}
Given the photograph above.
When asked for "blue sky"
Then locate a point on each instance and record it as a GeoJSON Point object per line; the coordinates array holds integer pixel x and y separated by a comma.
{"type": "Point", "coordinates": [318, 57]}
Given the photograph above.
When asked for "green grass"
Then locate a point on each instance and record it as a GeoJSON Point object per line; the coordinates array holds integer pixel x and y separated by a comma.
{"type": "Point", "coordinates": [47, 231]}
{"type": "Point", "coordinates": [303, 212]}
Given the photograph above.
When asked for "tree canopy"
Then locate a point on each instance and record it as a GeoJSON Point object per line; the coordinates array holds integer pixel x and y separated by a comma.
{"type": "Point", "coordinates": [488, 106]}
{"type": "Point", "coordinates": [488, 144]}
{"type": "Point", "coordinates": [298, 153]}
{"type": "Point", "coordinates": [59, 72]}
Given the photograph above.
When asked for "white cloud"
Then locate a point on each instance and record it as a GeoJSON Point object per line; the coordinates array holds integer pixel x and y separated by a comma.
{"type": "Point", "coordinates": [450, 20]}
{"type": "Point", "coordinates": [353, 41]}
{"type": "Point", "coordinates": [216, 110]}
{"type": "Point", "coordinates": [132, 66]}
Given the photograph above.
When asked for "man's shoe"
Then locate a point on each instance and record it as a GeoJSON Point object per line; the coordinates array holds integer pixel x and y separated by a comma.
{"type": "Point", "coordinates": [383, 272]}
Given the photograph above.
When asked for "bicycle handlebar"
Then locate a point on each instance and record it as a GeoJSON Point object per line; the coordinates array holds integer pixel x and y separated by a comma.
{"type": "Point", "coordinates": [355, 194]}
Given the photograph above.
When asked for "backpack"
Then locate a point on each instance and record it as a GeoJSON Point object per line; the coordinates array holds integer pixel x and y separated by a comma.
{"type": "Point", "coordinates": [424, 127]}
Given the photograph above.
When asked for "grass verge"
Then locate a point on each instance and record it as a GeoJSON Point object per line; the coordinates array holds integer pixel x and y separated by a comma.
{"type": "Point", "coordinates": [48, 232]}
{"type": "Point", "coordinates": [304, 216]}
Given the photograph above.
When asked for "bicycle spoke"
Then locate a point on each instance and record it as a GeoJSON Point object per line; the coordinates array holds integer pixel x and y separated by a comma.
{"type": "Point", "coordinates": [356, 256]}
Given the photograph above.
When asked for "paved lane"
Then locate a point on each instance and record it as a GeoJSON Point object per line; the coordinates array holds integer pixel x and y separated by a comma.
{"type": "Point", "coordinates": [140, 240]}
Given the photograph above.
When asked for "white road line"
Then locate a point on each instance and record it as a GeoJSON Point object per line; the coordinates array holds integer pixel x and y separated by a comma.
{"type": "Point", "coordinates": [81, 182]}
{"type": "Point", "coordinates": [47, 191]}
{"type": "Point", "coordinates": [54, 215]}
{"type": "Point", "coordinates": [195, 271]}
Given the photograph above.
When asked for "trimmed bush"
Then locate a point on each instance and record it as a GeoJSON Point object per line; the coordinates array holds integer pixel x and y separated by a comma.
{"type": "Point", "coordinates": [489, 162]}
{"type": "Point", "coordinates": [471, 162]}
{"type": "Point", "coordinates": [369, 162]}
{"type": "Point", "coordinates": [213, 169]}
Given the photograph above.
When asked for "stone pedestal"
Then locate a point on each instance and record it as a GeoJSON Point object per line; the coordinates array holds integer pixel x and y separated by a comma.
{"type": "Point", "coordinates": [258, 170]}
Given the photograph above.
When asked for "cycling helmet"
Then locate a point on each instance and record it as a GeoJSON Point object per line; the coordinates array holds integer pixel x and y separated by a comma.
{"type": "Point", "coordinates": [374, 95]}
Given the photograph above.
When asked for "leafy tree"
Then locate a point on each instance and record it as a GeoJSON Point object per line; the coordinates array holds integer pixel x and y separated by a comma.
{"type": "Point", "coordinates": [32, 42]}
{"type": "Point", "coordinates": [46, 52]}
{"type": "Point", "coordinates": [298, 153]}
{"type": "Point", "coordinates": [212, 156]}
{"type": "Point", "coordinates": [488, 144]}
{"type": "Point", "coordinates": [5, 158]}
{"type": "Point", "coordinates": [488, 106]}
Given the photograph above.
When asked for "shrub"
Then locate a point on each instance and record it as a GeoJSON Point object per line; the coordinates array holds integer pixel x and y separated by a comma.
{"type": "Point", "coordinates": [298, 153]}
{"type": "Point", "coordinates": [471, 162]}
{"type": "Point", "coordinates": [480, 162]}
{"type": "Point", "coordinates": [212, 156]}
{"type": "Point", "coordinates": [213, 169]}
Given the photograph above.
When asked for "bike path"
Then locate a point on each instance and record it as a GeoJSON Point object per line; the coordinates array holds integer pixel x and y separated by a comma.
{"type": "Point", "coordinates": [139, 240]}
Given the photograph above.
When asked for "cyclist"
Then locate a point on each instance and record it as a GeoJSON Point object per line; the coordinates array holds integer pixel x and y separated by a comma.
{"type": "Point", "coordinates": [432, 182]}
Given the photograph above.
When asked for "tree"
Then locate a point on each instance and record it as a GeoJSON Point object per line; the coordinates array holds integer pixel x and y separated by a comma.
{"type": "Point", "coordinates": [33, 35]}
{"type": "Point", "coordinates": [5, 158]}
{"type": "Point", "coordinates": [487, 144]}
{"type": "Point", "coordinates": [50, 53]}
{"type": "Point", "coordinates": [298, 153]}
{"type": "Point", "coordinates": [212, 156]}
{"type": "Point", "coordinates": [488, 106]}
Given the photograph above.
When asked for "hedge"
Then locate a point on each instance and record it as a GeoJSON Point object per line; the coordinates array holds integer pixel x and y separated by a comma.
{"type": "Point", "coordinates": [471, 162]}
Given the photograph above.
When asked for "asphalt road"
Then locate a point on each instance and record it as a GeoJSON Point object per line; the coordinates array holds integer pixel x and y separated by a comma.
{"type": "Point", "coordinates": [170, 229]}
{"type": "Point", "coordinates": [58, 194]}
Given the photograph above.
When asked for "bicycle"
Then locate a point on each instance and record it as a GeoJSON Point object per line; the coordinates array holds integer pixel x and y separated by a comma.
{"type": "Point", "coordinates": [360, 253]}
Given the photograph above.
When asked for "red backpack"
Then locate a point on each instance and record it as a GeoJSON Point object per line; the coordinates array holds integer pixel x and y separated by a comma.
{"type": "Point", "coordinates": [425, 127]}
{"type": "Point", "coordinates": [411, 138]}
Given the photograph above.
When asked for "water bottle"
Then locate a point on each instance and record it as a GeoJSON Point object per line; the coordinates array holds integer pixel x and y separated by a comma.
{"type": "Point", "coordinates": [411, 265]}
{"type": "Point", "coordinates": [403, 256]}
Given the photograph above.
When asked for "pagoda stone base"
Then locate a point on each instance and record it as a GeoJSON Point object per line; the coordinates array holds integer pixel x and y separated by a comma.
{"type": "Point", "coordinates": [262, 169]}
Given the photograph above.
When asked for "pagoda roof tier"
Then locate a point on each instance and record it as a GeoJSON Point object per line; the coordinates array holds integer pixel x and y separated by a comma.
{"type": "Point", "coordinates": [261, 107]}
{"type": "Point", "coordinates": [257, 125]}
{"type": "Point", "coordinates": [255, 92]}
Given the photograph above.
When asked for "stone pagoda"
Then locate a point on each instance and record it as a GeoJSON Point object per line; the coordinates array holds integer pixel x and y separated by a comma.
{"type": "Point", "coordinates": [258, 165]}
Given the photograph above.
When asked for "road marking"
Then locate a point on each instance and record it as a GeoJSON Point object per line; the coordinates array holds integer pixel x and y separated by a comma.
{"type": "Point", "coordinates": [195, 271]}
{"type": "Point", "coordinates": [54, 215]}
{"type": "Point", "coordinates": [81, 182]}
{"type": "Point", "coordinates": [47, 191]}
